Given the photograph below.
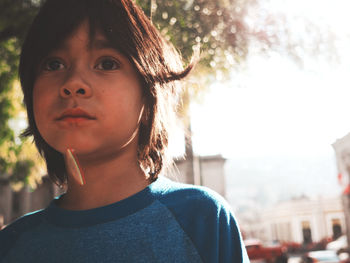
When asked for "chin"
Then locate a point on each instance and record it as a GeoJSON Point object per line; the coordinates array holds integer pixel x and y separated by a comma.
{"type": "Point", "coordinates": [78, 147]}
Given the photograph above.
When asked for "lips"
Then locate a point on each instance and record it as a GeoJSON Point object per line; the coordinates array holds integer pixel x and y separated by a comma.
{"type": "Point", "coordinates": [75, 114]}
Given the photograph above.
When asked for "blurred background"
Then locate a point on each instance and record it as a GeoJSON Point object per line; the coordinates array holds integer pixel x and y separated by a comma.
{"type": "Point", "coordinates": [265, 114]}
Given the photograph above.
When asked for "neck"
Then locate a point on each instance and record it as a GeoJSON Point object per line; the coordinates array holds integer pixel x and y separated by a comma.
{"type": "Point", "coordinates": [107, 182]}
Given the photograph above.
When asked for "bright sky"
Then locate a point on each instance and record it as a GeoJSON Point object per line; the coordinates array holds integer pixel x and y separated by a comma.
{"type": "Point", "coordinates": [276, 108]}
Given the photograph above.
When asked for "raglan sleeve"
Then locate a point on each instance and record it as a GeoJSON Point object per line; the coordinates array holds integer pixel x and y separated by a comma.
{"type": "Point", "coordinates": [209, 222]}
{"type": "Point", "coordinates": [230, 246]}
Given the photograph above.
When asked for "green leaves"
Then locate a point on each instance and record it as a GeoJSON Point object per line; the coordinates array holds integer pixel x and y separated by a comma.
{"type": "Point", "coordinates": [8, 69]}
{"type": "Point", "coordinates": [217, 26]}
{"type": "Point", "coordinates": [15, 17]}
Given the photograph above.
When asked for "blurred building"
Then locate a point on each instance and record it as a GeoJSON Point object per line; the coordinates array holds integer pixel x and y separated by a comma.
{"type": "Point", "coordinates": [15, 204]}
{"type": "Point", "coordinates": [301, 220]}
{"type": "Point", "coordinates": [342, 153]}
{"type": "Point", "coordinates": [207, 171]}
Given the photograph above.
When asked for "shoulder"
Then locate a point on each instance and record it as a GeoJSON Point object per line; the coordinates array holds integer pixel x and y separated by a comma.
{"type": "Point", "coordinates": [187, 196]}
{"type": "Point", "coordinates": [23, 222]}
{"type": "Point", "coordinates": [207, 219]}
{"type": "Point", "coordinates": [11, 233]}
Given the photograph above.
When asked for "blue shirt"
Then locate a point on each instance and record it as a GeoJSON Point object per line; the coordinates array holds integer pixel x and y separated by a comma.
{"type": "Point", "coordinates": [165, 222]}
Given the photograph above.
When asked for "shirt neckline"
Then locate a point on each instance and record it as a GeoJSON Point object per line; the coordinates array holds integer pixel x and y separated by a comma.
{"type": "Point", "coordinates": [83, 218]}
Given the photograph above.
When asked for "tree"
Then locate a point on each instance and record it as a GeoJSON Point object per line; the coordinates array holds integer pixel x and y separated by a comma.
{"type": "Point", "coordinates": [227, 30]}
{"type": "Point", "coordinates": [217, 25]}
{"type": "Point", "coordinates": [15, 162]}
{"type": "Point", "coordinates": [15, 17]}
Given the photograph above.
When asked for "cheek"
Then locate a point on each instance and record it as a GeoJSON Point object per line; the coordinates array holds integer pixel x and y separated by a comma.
{"type": "Point", "coordinates": [41, 102]}
{"type": "Point", "coordinates": [37, 106]}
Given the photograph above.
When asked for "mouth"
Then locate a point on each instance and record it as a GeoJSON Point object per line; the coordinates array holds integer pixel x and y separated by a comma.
{"type": "Point", "coordinates": [75, 115]}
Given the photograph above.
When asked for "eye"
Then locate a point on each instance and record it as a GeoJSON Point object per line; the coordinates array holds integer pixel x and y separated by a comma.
{"type": "Point", "coordinates": [53, 64]}
{"type": "Point", "coordinates": [107, 64]}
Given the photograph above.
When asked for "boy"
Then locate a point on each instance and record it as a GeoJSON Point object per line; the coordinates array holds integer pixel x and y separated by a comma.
{"type": "Point", "coordinates": [99, 84]}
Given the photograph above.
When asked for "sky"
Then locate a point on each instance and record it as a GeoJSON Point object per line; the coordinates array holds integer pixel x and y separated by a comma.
{"type": "Point", "coordinates": [274, 108]}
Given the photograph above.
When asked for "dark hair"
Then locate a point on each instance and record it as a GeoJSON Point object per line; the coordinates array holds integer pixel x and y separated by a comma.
{"type": "Point", "coordinates": [130, 31]}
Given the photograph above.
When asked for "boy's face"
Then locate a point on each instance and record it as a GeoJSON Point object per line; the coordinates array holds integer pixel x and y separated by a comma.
{"type": "Point", "coordinates": [89, 98]}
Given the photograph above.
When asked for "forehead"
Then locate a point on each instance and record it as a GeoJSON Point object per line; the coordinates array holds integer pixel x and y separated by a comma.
{"type": "Point", "coordinates": [91, 38]}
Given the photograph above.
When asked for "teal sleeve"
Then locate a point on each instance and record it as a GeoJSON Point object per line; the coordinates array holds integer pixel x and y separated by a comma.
{"type": "Point", "coordinates": [209, 222]}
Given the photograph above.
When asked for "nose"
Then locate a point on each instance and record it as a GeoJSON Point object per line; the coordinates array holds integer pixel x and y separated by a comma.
{"type": "Point", "coordinates": [76, 86]}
